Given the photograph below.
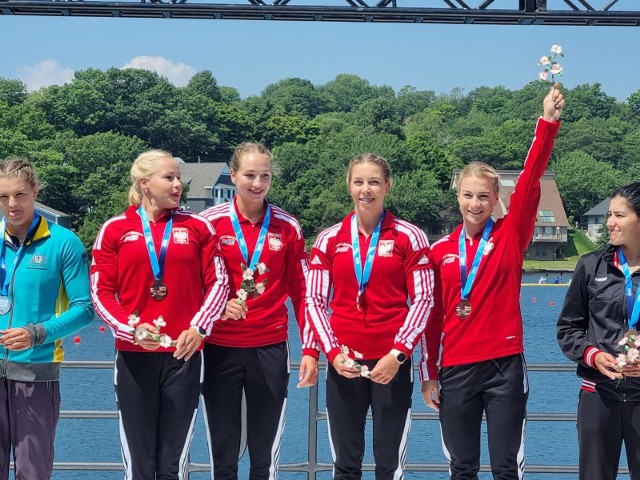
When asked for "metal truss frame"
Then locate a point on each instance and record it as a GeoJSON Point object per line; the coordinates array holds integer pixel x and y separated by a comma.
{"type": "Point", "coordinates": [523, 12]}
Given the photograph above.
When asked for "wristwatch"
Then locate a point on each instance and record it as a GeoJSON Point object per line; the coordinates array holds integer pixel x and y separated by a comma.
{"type": "Point", "coordinates": [201, 331]}
{"type": "Point", "coordinates": [400, 356]}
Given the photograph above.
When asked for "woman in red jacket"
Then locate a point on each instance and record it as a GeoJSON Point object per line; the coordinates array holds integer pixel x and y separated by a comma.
{"type": "Point", "coordinates": [158, 285]}
{"type": "Point", "coordinates": [475, 332]}
{"type": "Point", "coordinates": [264, 253]}
{"type": "Point", "coordinates": [374, 262]}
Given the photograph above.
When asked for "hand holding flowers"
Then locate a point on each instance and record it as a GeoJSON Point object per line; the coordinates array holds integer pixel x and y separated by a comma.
{"type": "Point", "coordinates": [249, 286]}
{"type": "Point", "coordinates": [347, 363]}
{"type": "Point", "coordinates": [147, 336]}
{"type": "Point", "coordinates": [630, 345]}
{"type": "Point", "coordinates": [551, 65]}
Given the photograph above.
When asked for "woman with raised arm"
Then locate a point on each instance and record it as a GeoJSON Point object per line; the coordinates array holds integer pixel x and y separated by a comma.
{"type": "Point", "coordinates": [602, 306]}
{"type": "Point", "coordinates": [380, 271]}
{"type": "Point", "coordinates": [475, 332]}
{"type": "Point", "coordinates": [158, 284]}
{"type": "Point", "coordinates": [264, 253]}
{"type": "Point", "coordinates": [44, 297]}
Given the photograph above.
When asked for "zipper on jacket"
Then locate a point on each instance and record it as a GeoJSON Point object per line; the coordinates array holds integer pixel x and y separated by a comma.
{"type": "Point", "coordinates": [6, 351]}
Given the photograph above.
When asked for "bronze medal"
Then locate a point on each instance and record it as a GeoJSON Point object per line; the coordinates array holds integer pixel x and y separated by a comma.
{"type": "Point", "coordinates": [158, 290]}
{"type": "Point", "coordinates": [359, 300]}
{"type": "Point", "coordinates": [463, 309]}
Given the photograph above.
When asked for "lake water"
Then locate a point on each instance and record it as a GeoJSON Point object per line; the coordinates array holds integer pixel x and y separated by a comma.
{"type": "Point", "coordinates": [547, 442]}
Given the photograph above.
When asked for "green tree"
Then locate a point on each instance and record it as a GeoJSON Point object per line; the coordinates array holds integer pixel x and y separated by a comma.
{"type": "Point", "coordinates": [583, 181]}
{"type": "Point", "coordinates": [12, 92]}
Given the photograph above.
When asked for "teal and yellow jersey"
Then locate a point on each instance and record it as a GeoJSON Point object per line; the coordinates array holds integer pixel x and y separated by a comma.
{"type": "Point", "coordinates": [50, 295]}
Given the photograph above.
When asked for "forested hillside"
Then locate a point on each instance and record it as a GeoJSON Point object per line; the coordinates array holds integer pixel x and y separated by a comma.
{"type": "Point", "coordinates": [84, 135]}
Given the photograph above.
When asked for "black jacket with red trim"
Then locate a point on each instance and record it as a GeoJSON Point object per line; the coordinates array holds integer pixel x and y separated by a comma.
{"type": "Point", "coordinates": [593, 319]}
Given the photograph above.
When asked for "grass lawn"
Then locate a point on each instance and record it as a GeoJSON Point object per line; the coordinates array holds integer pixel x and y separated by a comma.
{"type": "Point", "coordinates": [579, 244]}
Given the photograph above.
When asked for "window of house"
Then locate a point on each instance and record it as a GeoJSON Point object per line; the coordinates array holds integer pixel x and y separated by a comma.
{"type": "Point", "coordinates": [546, 216]}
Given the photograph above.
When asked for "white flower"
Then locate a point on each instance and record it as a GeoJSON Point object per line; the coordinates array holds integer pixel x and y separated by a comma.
{"type": "Point", "coordinates": [632, 355]}
{"type": "Point", "coordinates": [543, 76]}
{"type": "Point", "coordinates": [344, 349]}
{"type": "Point", "coordinates": [165, 340]}
{"type": "Point", "coordinates": [621, 360]}
{"type": "Point", "coordinates": [544, 60]}
{"type": "Point", "coordinates": [159, 322]}
{"type": "Point", "coordinates": [556, 68]}
{"type": "Point", "coordinates": [247, 274]}
{"type": "Point", "coordinates": [262, 268]}
{"type": "Point", "coordinates": [349, 362]}
{"type": "Point", "coordinates": [365, 372]}
{"type": "Point", "coordinates": [358, 355]}
{"type": "Point", "coordinates": [623, 341]}
{"type": "Point", "coordinates": [242, 294]}
{"type": "Point", "coordinates": [636, 342]}
{"type": "Point", "coordinates": [556, 49]}
{"type": "Point", "coordinates": [141, 333]}
{"type": "Point", "coordinates": [133, 320]}
{"type": "Point", "coordinates": [260, 288]}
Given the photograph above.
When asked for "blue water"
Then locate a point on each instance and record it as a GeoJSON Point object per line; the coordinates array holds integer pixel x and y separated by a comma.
{"type": "Point", "coordinates": [547, 442]}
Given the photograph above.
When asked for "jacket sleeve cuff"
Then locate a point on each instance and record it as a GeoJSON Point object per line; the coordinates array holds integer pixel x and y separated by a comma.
{"type": "Point", "coordinates": [311, 352]}
{"type": "Point", "coordinates": [37, 333]}
{"type": "Point", "coordinates": [332, 354]}
{"type": "Point", "coordinates": [590, 356]}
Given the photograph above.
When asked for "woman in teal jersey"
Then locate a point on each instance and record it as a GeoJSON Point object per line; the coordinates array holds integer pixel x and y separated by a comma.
{"type": "Point", "coordinates": [44, 297]}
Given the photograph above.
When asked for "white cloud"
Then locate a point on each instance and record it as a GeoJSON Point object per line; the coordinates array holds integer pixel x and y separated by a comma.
{"type": "Point", "coordinates": [47, 72]}
{"type": "Point", "coordinates": [177, 73]}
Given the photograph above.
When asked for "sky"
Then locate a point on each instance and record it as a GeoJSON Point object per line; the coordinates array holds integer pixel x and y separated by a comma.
{"type": "Point", "coordinates": [249, 55]}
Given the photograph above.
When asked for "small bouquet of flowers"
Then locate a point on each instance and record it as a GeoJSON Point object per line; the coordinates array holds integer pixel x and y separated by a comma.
{"type": "Point", "coordinates": [550, 64]}
{"type": "Point", "coordinates": [249, 286]}
{"type": "Point", "coordinates": [163, 339]}
{"type": "Point", "coordinates": [629, 344]}
{"type": "Point", "coordinates": [352, 361]}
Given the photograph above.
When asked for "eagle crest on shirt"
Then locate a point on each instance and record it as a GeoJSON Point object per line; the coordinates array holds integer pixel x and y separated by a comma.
{"type": "Point", "coordinates": [181, 236]}
{"type": "Point", "coordinates": [385, 248]}
{"type": "Point", "coordinates": [275, 242]}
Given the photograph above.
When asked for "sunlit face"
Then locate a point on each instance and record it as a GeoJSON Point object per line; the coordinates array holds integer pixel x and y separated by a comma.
{"type": "Point", "coordinates": [253, 177]}
{"type": "Point", "coordinates": [623, 223]}
{"type": "Point", "coordinates": [17, 202]}
{"type": "Point", "coordinates": [368, 188]}
{"type": "Point", "coordinates": [164, 187]}
{"type": "Point", "coordinates": [476, 198]}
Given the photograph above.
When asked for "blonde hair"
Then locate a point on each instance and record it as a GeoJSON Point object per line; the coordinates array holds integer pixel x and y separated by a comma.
{"type": "Point", "coordinates": [246, 148]}
{"type": "Point", "coordinates": [144, 167]}
{"type": "Point", "coordinates": [14, 167]}
{"type": "Point", "coordinates": [374, 158]}
{"type": "Point", "coordinates": [481, 170]}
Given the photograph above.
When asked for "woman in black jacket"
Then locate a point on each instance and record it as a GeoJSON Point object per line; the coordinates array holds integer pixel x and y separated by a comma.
{"type": "Point", "coordinates": [602, 305]}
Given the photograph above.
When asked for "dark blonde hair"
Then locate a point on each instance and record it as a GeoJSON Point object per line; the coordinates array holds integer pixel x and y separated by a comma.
{"type": "Point", "coordinates": [144, 167]}
{"type": "Point", "coordinates": [14, 167]}
{"type": "Point", "coordinates": [374, 158]}
{"type": "Point", "coordinates": [481, 170]}
{"type": "Point", "coordinates": [246, 148]}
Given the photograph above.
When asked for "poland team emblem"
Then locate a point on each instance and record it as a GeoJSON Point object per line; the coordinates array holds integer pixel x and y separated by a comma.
{"type": "Point", "coordinates": [181, 236]}
{"type": "Point", "coordinates": [385, 248]}
{"type": "Point", "coordinates": [275, 242]}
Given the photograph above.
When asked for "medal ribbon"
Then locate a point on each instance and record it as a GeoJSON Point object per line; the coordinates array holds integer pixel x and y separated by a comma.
{"type": "Point", "coordinates": [242, 244]}
{"type": "Point", "coordinates": [157, 262]}
{"type": "Point", "coordinates": [467, 282]}
{"type": "Point", "coordinates": [363, 273]}
{"type": "Point", "coordinates": [9, 273]}
{"type": "Point", "coordinates": [633, 304]}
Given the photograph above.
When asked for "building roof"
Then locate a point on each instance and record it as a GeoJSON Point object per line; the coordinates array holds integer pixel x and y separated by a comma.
{"type": "Point", "coordinates": [549, 199]}
{"type": "Point", "coordinates": [202, 177]}
{"type": "Point", "coordinates": [44, 209]}
{"type": "Point", "coordinates": [600, 209]}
